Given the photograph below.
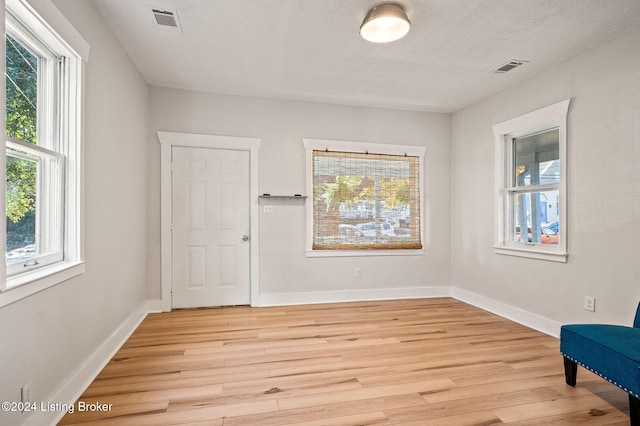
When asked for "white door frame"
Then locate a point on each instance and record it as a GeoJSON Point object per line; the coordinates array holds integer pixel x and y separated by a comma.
{"type": "Point", "coordinates": [167, 141]}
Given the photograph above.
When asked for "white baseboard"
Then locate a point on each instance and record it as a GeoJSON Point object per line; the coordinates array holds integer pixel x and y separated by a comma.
{"type": "Point", "coordinates": [89, 370]}
{"type": "Point", "coordinates": [306, 298]}
{"type": "Point", "coordinates": [531, 320]}
{"type": "Point", "coordinates": [537, 322]}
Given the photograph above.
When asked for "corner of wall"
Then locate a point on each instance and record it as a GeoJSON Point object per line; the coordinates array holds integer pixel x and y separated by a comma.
{"type": "Point", "coordinates": [528, 319]}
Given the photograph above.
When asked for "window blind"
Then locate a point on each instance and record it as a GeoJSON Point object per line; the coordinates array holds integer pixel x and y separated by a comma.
{"type": "Point", "coordinates": [365, 201]}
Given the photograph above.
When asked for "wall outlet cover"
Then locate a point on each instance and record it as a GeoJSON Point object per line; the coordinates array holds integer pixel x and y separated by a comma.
{"type": "Point", "coordinates": [590, 303]}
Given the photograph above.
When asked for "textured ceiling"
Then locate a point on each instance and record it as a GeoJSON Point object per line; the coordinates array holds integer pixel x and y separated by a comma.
{"type": "Point", "coordinates": [310, 49]}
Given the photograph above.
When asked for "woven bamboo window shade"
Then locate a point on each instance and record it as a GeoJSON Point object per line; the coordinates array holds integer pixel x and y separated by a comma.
{"type": "Point", "coordinates": [365, 201]}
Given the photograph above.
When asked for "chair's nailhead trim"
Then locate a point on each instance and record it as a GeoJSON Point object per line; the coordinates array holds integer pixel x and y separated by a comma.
{"type": "Point", "coordinates": [600, 374]}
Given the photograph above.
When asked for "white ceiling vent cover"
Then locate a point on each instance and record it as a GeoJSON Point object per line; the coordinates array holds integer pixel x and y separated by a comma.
{"type": "Point", "coordinates": [514, 63]}
{"type": "Point", "coordinates": [166, 19]}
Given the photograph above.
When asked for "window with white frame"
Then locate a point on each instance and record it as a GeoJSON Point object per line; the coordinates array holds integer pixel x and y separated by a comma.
{"type": "Point", "coordinates": [42, 145]}
{"type": "Point", "coordinates": [531, 184]}
{"type": "Point", "coordinates": [366, 198]}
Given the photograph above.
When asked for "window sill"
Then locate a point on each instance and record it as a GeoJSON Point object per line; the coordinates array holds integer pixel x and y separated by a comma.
{"type": "Point", "coordinates": [532, 253]}
{"type": "Point", "coordinates": [24, 285]}
{"type": "Point", "coordinates": [353, 253]}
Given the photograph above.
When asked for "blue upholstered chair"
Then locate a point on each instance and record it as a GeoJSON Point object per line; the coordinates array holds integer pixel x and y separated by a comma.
{"type": "Point", "coordinates": [610, 351]}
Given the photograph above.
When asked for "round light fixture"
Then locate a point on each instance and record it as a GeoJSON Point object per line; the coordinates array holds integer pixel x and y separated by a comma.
{"type": "Point", "coordinates": [384, 23]}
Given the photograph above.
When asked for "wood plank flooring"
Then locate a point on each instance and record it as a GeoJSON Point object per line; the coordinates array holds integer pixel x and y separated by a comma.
{"type": "Point", "coordinates": [406, 362]}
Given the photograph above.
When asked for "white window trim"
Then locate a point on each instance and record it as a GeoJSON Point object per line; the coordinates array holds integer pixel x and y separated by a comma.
{"type": "Point", "coordinates": [347, 146]}
{"type": "Point", "coordinates": [42, 15]}
{"type": "Point", "coordinates": [544, 118]}
{"type": "Point", "coordinates": [45, 20]}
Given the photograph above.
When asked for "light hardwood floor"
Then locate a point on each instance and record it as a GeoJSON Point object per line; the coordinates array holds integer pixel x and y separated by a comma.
{"type": "Point", "coordinates": [406, 362]}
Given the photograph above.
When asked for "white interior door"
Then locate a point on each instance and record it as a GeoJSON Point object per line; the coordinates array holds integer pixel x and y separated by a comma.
{"type": "Point", "coordinates": [210, 227]}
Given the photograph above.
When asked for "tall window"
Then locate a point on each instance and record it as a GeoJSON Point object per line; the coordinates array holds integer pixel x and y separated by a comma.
{"type": "Point", "coordinates": [365, 200]}
{"type": "Point", "coordinates": [533, 188]}
{"type": "Point", "coordinates": [532, 183]}
{"type": "Point", "coordinates": [42, 147]}
{"type": "Point", "coordinates": [34, 167]}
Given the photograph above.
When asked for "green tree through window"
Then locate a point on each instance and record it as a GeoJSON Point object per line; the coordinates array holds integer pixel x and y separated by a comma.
{"type": "Point", "coordinates": [21, 75]}
{"type": "Point", "coordinates": [22, 91]}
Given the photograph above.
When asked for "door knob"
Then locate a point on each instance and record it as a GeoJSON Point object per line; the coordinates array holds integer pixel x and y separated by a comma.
{"type": "Point", "coordinates": [245, 238]}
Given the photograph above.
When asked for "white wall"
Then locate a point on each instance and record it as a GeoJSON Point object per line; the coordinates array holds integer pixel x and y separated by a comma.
{"type": "Point", "coordinates": [51, 336]}
{"type": "Point", "coordinates": [284, 269]}
{"type": "Point", "coordinates": [603, 191]}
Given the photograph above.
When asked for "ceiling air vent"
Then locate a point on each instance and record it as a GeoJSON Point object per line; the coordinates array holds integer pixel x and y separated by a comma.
{"type": "Point", "coordinates": [514, 63]}
{"type": "Point", "coordinates": [167, 19]}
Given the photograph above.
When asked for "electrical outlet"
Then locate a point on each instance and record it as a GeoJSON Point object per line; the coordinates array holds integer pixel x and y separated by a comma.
{"type": "Point", "coordinates": [267, 208]}
{"type": "Point", "coordinates": [358, 273]}
{"type": "Point", "coordinates": [590, 303]}
{"type": "Point", "coordinates": [25, 393]}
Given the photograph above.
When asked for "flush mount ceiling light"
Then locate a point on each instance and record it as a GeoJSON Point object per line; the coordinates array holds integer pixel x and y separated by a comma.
{"type": "Point", "coordinates": [384, 23]}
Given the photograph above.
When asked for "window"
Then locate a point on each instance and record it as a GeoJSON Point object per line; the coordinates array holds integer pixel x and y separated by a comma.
{"type": "Point", "coordinates": [366, 198]}
{"type": "Point", "coordinates": [42, 147]}
{"type": "Point", "coordinates": [531, 180]}
{"type": "Point", "coordinates": [34, 167]}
